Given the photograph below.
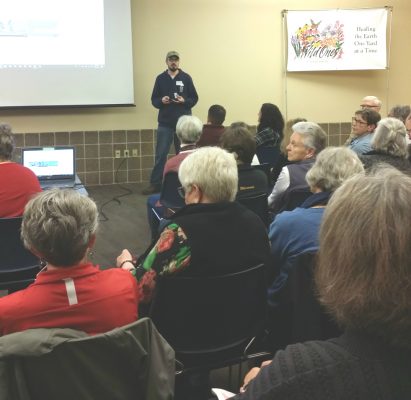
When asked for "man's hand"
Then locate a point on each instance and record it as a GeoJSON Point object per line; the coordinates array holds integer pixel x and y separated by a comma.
{"type": "Point", "coordinates": [179, 99]}
{"type": "Point", "coordinates": [166, 100]}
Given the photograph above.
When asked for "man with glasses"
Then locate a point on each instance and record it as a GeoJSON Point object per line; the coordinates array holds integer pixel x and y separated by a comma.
{"type": "Point", "coordinates": [372, 102]}
{"type": "Point", "coordinates": [363, 125]}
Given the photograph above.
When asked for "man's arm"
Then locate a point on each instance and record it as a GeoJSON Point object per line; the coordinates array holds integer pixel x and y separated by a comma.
{"type": "Point", "coordinates": [282, 184]}
{"type": "Point", "coordinates": [192, 96]}
{"type": "Point", "coordinates": [157, 95]}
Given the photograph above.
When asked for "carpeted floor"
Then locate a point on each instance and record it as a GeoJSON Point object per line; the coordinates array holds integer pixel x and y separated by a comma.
{"type": "Point", "coordinates": [123, 221]}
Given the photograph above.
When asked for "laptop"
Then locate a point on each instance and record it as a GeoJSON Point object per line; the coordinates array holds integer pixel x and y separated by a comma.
{"type": "Point", "coordinates": [53, 166]}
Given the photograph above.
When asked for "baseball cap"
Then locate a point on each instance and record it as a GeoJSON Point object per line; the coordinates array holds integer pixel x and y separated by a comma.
{"type": "Point", "coordinates": [172, 54]}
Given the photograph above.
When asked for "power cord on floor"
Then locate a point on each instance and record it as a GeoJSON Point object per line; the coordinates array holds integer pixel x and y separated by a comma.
{"type": "Point", "coordinates": [102, 216]}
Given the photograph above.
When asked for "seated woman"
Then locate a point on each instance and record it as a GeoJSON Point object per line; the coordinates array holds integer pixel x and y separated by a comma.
{"type": "Point", "coordinates": [363, 277]}
{"type": "Point", "coordinates": [212, 235]}
{"type": "Point", "coordinates": [188, 130]}
{"type": "Point", "coordinates": [251, 180]}
{"type": "Point", "coordinates": [17, 183]}
{"type": "Point", "coordinates": [269, 134]}
{"type": "Point", "coordinates": [389, 145]}
{"type": "Point", "coordinates": [59, 226]}
{"type": "Point", "coordinates": [295, 232]}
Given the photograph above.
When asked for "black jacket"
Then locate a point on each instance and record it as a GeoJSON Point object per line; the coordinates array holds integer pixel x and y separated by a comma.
{"type": "Point", "coordinates": [165, 85]}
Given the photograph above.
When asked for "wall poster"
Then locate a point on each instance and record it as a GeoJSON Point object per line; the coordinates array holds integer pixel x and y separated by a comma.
{"type": "Point", "coordinates": [336, 39]}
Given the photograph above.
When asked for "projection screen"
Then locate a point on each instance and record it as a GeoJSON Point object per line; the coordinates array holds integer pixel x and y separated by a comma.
{"type": "Point", "coordinates": [65, 53]}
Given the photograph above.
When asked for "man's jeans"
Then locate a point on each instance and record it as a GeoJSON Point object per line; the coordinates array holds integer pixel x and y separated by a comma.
{"type": "Point", "coordinates": [165, 137]}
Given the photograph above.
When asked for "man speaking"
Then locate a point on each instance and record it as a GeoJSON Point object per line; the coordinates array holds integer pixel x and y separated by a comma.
{"type": "Point", "coordinates": [174, 95]}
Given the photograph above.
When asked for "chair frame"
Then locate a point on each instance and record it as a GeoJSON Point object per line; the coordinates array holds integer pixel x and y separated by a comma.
{"type": "Point", "coordinates": [182, 319]}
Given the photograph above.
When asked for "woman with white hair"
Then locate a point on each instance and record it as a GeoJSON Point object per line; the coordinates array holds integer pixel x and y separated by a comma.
{"type": "Point", "coordinates": [212, 234]}
{"type": "Point", "coordinates": [389, 145]}
{"type": "Point", "coordinates": [59, 227]}
{"type": "Point", "coordinates": [295, 232]}
{"type": "Point", "coordinates": [188, 130]}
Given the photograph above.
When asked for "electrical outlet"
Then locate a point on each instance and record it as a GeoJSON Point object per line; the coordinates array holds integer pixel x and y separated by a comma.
{"type": "Point", "coordinates": [134, 152]}
{"type": "Point", "coordinates": [126, 153]}
{"type": "Point", "coordinates": [117, 154]}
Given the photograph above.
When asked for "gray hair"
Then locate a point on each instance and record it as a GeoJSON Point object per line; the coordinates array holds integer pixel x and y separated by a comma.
{"type": "Point", "coordinates": [373, 99]}
{"type": "Point", "coordinates": [58, 225]}
{"type": "Point", "coordinates": [189, 129]}
{"type": "Point", "coordinates": [390, 137]}
{"type": "Point", "coordinates": [332, 167]}
{"type": "Point", "coordinates": [312, 135]}
{"type": "Point", "coordinates": [213, 170]}
{"type": "Point", "coordinates": [364, 272]}
{"type": "Point", "coordinates": [6, 141]}
{"type": "Point", "coordinates": [400, 112]}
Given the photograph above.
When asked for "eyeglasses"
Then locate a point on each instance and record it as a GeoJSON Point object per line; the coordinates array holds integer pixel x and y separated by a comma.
{"type": "Point", "coordinates": [367, 106]}
{"type": "Point", "coordinates": [181, 191]}
{"type": "Point", "coordinates": [358, 121]}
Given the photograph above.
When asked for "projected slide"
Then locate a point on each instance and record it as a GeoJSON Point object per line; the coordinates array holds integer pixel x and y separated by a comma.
{"type": "Point", "coordinates": [41, 33]}
{"type": "Point", "coordinates": [66, 53]}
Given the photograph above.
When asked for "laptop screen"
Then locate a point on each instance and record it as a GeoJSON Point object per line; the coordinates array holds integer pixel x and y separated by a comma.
{"type": "Point", "coordinates": [50, 163]}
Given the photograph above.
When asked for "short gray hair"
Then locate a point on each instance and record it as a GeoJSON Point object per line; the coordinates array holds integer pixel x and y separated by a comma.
{"type": "Point", "coordinates": [373, 99]}
{"type": "Point", "coordinates": [312, 135]}
{"type": "Point", "coordinates": [6, 141]}
{"type": "Point", "coordinates": [213, 170]}
{"type": "Point", "coordinates": [390, 137]}
{"type": "Point", "coordinates": [189, 129]}
{"type": "Point", "coordinates": [332, 167]}
{"type": "Point", "coordinates": [58, 225]}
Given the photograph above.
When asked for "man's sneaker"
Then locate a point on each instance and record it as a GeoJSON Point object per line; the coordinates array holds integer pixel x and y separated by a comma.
{"type": "Point", "coordinates": [151, 189]}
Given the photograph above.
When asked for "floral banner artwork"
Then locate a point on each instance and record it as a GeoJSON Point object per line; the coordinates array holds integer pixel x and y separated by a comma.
{"type": "Point", "coordinates": [337, 40]}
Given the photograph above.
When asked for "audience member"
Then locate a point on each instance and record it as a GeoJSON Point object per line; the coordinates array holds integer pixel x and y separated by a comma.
{"type": "Point", "coordinates": [282, 158]}
{"type": "Point", "coordinates": [240, 142]}
{"type": "Point", "coordinates": [17, 183]}
{"type": "Point", "coordinates": [295, 232]}
{"type": "Point", "coordinates": [212, 235]}
{"type": "Point", "coordinates": [371, 102]}
{"type": "Point", "coordinates": [59, 227]}
{"type": "Point", "coordinates": [188, 131]}
{"type": "Point", "coordinates": [269, 133]}
{"type": "Point", "coordinates": [214, 127]}
{"type": "Point", "coordinates": [400, 112]}
{"type": "Point", "coordinates": [364, 278]}
{"type": "Point", "coordinates": [307, 140]}
{"type": "Point", "coordinates": [388, 146]}
{"type": "Point", "coordinates": [363, 125]}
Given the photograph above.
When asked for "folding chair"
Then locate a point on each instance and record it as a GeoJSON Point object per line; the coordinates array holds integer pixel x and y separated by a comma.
{"type": "Point", "coordinates": [18, 267]}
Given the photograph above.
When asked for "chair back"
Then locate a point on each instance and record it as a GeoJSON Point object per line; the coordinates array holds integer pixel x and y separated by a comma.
{"type": "Point", "coordinates": [268, 155]}
{"type": "Point", "coordinates": [309, 320]}
{"type": "Point", "coordinates": [128, 363]}
{"type": "Point", "coordinates": [258, 204]}
{"type": "Point", "coordinates": [209, 314]}
{"type": "Point", "coordinates": [291, 199]}
{"type": "Point", "coordinates": [266, 168]}
{"type": "Point", "coordinates": [169, 196]}
{"type": "Point", "coordinates": [18, 267]}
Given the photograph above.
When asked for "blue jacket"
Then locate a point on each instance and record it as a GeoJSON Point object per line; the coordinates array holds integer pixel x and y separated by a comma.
{"type": "Point", "coordinates": [165, 85]}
